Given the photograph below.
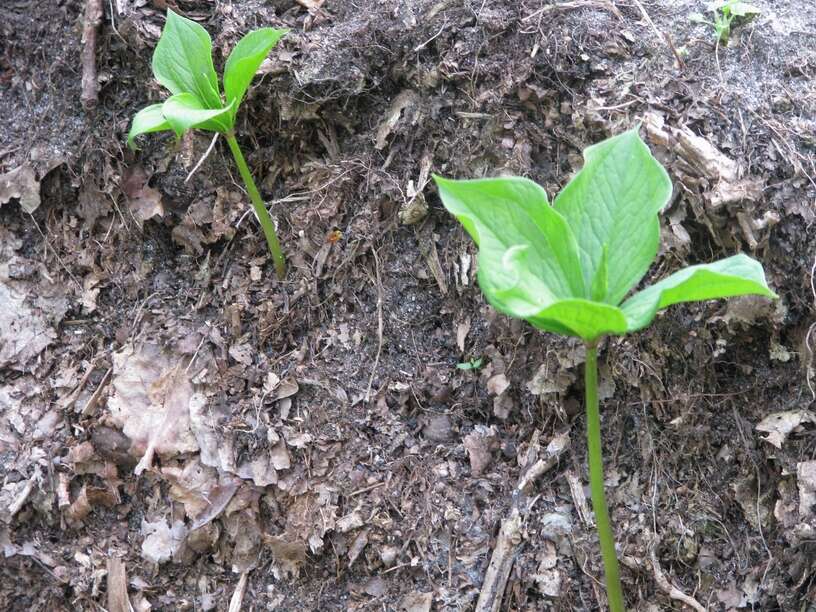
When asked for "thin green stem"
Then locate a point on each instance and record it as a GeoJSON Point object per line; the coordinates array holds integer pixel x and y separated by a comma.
{"type": "Point", "coordinates": [260, 209]}
{"type": "Point", "coordinates": [614, 591]}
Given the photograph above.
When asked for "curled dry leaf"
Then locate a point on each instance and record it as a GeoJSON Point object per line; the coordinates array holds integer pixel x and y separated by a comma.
{"type": "Point", "coordinates": [89, 497]}
{"type": "Point", "coordinates": [29, 311]}
{"type": "Point", "coordinates": [22, 184]}
{"type": "Point", "coordinates": [498, 384]}
{"type": "Point", "coordinates": [287, 388]}
{"type": "Point", "coordinates": [479, 445]}
{"type": "Point", "coordinates": [144, 201]}
{"type": "Point", "coordinates": [201, 489]}
{"type": "Point", "coordinates": [162, 541]}
{"type": "Point", "coordinates": [289, 555]}
{"type": "Point", "coordinates": [357, 546]}
{"type": "Point", "coordinates": [416, 602]}
{"type": "Point", "coordinates": [779, 425]}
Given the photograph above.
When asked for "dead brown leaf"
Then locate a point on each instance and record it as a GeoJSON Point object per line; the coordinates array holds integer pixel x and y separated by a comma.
{"type": "Point", "coordinates": [416, 602]}
{"type": "Point", "coordinates": [479, 445]}
{"type": "Point", "coordinates": [162, 541]}
{"type": "Point", "coordinates": [204, 493]}
{"type": "Point", "coordinates": [22, 184]}
{"type": "Point", "coordinates": [779, 425]}
{"type": "Point", "coordinates": [151, 403]}
{"type": "Point", "coordinates": [88, 497]}
{"type": "Point", "coordinates": [289, 554]}
{"type": "Point", "coordinates": [144, 201]}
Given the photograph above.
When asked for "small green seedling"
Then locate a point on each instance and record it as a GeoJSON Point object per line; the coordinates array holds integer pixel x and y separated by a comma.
{"type": "Point", "coordinates": [471, 364]}
{"type": "Point", "coordinates": [182, 62]}
{"type": "Point", "coordinates": [725, 13]}
{"type": "Point", "coordinates": [568, 267]}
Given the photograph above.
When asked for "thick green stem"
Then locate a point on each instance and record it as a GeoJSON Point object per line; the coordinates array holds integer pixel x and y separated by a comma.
{"type": "Point", "coordinates": [596, 482]}
{"type": "Point", "coordinates": [260, 209]}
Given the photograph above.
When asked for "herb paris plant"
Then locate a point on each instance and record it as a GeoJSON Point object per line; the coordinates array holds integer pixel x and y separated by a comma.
{"type": "Point", "coordinates": [567, 267]}
{"type": "Point", "coordinates": [182, 62]}
{"type": "Point", "coordinates": [725, 12]}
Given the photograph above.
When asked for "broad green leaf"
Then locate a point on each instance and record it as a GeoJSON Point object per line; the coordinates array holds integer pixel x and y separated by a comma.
{"type": "Point", "coordinates": [582, 318]}
{"type": "Point", "coordinates": [149, 119]}
{"type": "Point", "coordinates": [737, 275]}
{"type": "Point", "coordinates": [614, 201]}
{"type": "Point", "coordinates": [744, 9]}
{"type": "Point", "coordinates": [184, 111]}
{"type": "Point", "coordinates": [600, 284]}
{"type": "Point", "coordinates": [528, 256]}
{"type": "Point", "coordinates": [243, 62]}
{"type": "Point", "coordinates": [182, 61]}
{"type": "Point", "coordinates": [737, 8]}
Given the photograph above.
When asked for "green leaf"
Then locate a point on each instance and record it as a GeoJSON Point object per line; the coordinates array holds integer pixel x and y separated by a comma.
{"type": "Point", "coordinates": [600, 284]}
{"type": "Point", "coordinates": [473, 364]}
{"type": "Point", "coordinates": [184, 111]}
{"type": "Point", "coordinates": [149, 119]}
{"type": "Point", "coordinates": [582, 318]}
{"type": "Point", "coordinates": [744, 9]}
{"type": "Point", "coordinates": [614, 200]}
{"type": "Point", "coordinates": [528, 256]}
{"type": "Point", "coordinates": [182, 61]}
{"type": "Point", "coordinates": [737, 275]}
{"type": "Point", "coordinates": [243, 62]}
{"type": "Point", "coordinates": [568, 274]}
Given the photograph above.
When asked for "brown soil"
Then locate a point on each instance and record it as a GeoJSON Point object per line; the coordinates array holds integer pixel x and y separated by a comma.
{"type": "Point", "coordinates": [323, 451]}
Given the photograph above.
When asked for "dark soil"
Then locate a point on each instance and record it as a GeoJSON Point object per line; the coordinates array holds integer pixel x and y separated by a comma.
{"type": "Point", "coordinates": [341, 458]}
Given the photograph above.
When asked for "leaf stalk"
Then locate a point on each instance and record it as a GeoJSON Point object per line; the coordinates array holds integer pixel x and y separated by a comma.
{"type": "Point", "coordinates": [265, 220]}
{"type": "Point", "coordinates": [614, 591]}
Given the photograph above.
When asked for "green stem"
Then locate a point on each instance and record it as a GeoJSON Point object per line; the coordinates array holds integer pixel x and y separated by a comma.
{"type": "Point", "coordinates": [596, 482]}
{"type": "Point", "coordinates": [260, 209]}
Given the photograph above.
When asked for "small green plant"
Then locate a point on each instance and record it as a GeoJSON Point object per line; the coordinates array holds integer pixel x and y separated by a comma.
{"type": "Point", "coordinates": [471, 364]}
{"type": "Point", "coordinates": [182, 62]}
{"type": "Point", "coordinates": [567, 268]}
{"type": "Point", "coordinates": [725, 12]}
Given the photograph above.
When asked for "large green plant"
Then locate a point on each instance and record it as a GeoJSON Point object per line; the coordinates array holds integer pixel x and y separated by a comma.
{"type": "Point", "coordinates": [568, 267]}
{"type": "Point", "coordinates": [182, 62]}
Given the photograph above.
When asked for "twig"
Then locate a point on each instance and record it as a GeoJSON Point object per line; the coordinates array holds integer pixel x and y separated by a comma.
{"type": "Point", "coordinates": [509, 540]}
{"type": "Point", "coordinates": [90, 85]}
{"type": "Point", "coordinates": [54, 251]}
{"type": "Point", "coordinates": [118, 600]}
{"type": "Point", "coordinates": [808, 346]}
{"type": "Point", "coordinates": [555, 449]}
{"type": "Point", "coordinates": [663, 582]}
{"type": "Point", "coordinates": [93, 401]}
{"type": "Point", "coordinates": [501, 562]}
{"type": "Point", "coordinates": [664, 35]}
{"type": "Point", "coordinates": [575, 5]}
{"type": "Point", "coordinates": [237, 599]}
{"type": "Point", "coordinates": [379, 325]}
{"type": "Point", "coordinates": [203, 157]}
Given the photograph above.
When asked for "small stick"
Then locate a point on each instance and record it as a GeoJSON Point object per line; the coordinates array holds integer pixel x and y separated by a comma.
{"type": "Point", "coordinates": [680, 63]}
{"type": "Point", "coordinates": [667, 587]}
{"type": "Point", "coordinates": [203, 157]}
{"type": "Point", "coordinates": [379, 325]}
{"type": "Point", "coordinates": [237, 599]}
{"type": "Point", "coordinates": [90, 85]}
{"type": "Point", "coordinates": [509, 540]}
{"type": "Point", "coordinates": [809, 368]}
{"type": "Point", "coordinates": [501, 562]}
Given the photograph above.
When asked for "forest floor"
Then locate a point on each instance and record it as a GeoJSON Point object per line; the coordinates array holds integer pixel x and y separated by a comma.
{"type": "Point", "coordinates": [311, 444]}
